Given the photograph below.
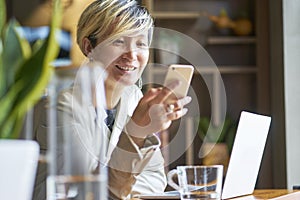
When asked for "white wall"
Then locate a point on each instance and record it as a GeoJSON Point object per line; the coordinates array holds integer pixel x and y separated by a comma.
{"type": "Point", "coordinates": [291, 31]}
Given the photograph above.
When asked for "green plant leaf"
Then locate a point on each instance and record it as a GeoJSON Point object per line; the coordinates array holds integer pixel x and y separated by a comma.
{"type": "Point", "coordinates": [2, 24]}
{"type": "Point", "coordinates": [35, 73]}
{"type": "Point", "coordinates": [39, 63]}
{"type": "Point", "coordinates": [231, 136]}
{"type": "Point", "coordinates": [2, 15]}
{"type": "Point", "coordinates": [12, 127]}
{"type": "Point", "coordinates": [16, 51]}
{"type": "Point", "coordinates": [29, 75]}
{"type": "Point", "coordinates": [203, 127]}
{"type": "Point", "coordinates": [224, 133]}
{"type": "Point", "coordinates": [6, 102]}
{"type": "Point", "coordinates": [2, 80]}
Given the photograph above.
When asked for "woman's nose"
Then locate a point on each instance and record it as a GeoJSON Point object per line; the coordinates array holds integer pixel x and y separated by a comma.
{"type": "Point", "coordinates": [130, 54]}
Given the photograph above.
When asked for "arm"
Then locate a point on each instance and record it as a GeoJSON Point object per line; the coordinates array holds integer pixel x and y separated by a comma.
{"type": "Point", "coordinates": [133, 170]}
{"type": "Point", "coordinates": [136, 164]}
{"type": "Point", "coordinates": [152, 179]}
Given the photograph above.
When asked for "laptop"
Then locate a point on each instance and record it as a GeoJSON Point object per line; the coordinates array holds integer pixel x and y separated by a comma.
{"type": "Point", "coordinates": [19, 160]}
{"type": "Point", "coordinates": [244, 161]}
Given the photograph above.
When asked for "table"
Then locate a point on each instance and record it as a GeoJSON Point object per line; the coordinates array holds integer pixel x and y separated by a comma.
{"type": "Point", "coordinates": [271, 194]}
{"type": "Point", "coordinates": [274, 194]}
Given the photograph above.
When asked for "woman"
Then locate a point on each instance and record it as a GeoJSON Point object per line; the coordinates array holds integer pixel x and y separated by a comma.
{"type": "Point", "coordinates": [117, 33]}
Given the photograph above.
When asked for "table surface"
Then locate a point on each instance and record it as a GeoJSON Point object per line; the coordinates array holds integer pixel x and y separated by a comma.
{"type": "Point", "coordinates": [271, 194]}
{"type": "Point", "coordinates": [277, 194]}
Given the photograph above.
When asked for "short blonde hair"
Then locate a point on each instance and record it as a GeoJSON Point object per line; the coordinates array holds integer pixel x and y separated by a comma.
{"type": "Point", "coordinates": [109, 19]}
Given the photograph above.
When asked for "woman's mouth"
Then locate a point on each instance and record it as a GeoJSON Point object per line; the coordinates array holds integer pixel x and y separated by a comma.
{"type": "Point", "coordinates": [126, 68]}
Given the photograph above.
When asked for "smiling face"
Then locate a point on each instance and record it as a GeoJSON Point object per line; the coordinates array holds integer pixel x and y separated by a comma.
{"type": "Point", "coordinates": [117, 34]}
{"type": "Point", "coordinates": [124, 58]}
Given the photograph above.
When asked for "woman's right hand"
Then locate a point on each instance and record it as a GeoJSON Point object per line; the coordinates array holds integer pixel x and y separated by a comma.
{"type": "Point", "coordinates": [156, 111]}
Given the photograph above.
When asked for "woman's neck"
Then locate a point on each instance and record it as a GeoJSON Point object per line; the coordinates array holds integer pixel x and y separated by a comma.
{"type": "Point", "coordinates": [113, 94]}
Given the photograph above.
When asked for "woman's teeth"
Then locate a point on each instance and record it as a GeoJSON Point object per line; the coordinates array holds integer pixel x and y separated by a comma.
{"type": "Point", "coordinates": [125, 68]}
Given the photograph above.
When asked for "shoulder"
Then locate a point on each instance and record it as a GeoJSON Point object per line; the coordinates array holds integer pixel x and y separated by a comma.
{"type": "Point", "coordinates": [65, 97]}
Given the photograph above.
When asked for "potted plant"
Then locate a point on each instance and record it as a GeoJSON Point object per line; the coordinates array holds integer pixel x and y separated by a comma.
{"type": "Point", "coordinates": [24, 74]}
{"type": "Point", "coordinates": [24, 70]}
{"type": "Point", "coordinates": [217, 141]}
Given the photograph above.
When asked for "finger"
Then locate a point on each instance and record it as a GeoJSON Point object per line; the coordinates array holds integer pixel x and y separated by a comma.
{"type": "Point", "coordinates": [165, 92]}
{"type": "Point", "coordinates": [151, 94]}
{"type": "Point", "coordinates": [177, 114]}
{"type": "Point", "coordinates": [183, 101]}
{"type": "Point", "coordinates": [170, 108]}
{"type": "Point", "coordinates": [177, 105]}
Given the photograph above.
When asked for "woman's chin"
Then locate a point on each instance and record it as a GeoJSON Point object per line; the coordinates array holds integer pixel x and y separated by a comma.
{"type": "Point", "coordinates": [124, 82]}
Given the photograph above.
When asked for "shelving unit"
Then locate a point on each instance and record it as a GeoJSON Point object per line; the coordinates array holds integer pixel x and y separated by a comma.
{"type": "Point", "coordinates": [239, 59]}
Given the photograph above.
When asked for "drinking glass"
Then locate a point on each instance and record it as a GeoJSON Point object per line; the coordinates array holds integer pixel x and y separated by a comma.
{"type": "Point", "coordinates": [197, 182]}
{"type": "Point", "coordinates": [77, 143]}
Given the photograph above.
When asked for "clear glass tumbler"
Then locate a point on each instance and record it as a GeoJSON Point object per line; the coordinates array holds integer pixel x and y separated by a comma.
{"type": "Point", "coordinates": [76, 142]}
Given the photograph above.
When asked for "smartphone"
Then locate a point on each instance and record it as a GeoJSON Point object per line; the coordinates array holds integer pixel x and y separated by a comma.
{"type": "Point", "coordinates": [181, 72]}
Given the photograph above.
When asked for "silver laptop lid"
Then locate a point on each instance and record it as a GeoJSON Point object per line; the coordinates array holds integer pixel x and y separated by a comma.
{"type": "Point", "coordinates": [246, 155]}
{"type": "Point", "coordinates": [19, 159]}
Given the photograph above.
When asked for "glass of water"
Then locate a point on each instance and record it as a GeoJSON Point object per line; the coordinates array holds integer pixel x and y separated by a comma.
{"type": "Point", "coordinates": [77, 144]}
{"type": "Point", "coordinates": [197, 182]}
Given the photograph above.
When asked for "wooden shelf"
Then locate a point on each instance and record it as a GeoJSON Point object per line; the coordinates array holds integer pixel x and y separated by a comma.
{"type": "Point", "coordinates": [176, 15]}
{"type": "Point", "coordinates": [214, 40]}
{"type": "Point", "coordinates": [211, 69]}
{"type": "Point", "coordinates": [228, 69]}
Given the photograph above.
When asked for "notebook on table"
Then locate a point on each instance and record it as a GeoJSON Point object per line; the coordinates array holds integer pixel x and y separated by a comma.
{"type": "Point", "coordinates": [19, 160]}
{"type": "Point", "coordinates": [244, 161]}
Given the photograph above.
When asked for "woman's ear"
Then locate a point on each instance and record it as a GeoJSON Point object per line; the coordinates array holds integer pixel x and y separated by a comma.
{"type": "Point", "coordinates": [86, 46]}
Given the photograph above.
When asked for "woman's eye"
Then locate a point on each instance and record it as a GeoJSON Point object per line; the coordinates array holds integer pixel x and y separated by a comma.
{"type": "Point", "coordinates": [142, 44]}
{"type": "Point", "coordinates": [118, 42]}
